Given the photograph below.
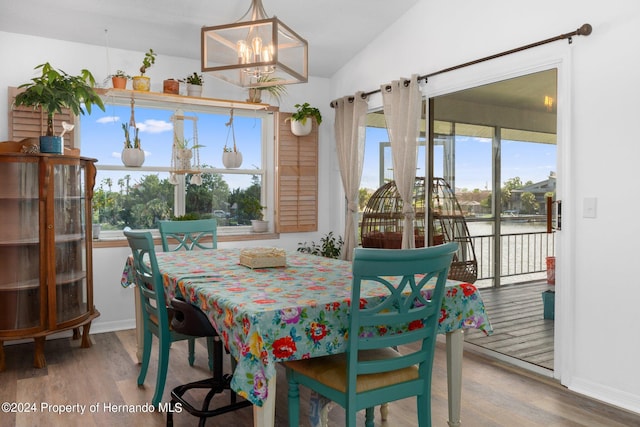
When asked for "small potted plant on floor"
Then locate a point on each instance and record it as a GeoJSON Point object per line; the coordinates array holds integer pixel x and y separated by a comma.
{"type": "Point", "coordinates": [132, 153]}
{"type": "Point", "coordinates": [301, 120]}
{"type": "Point", "coordinates": [143, 82]}
{"type": "Point", "coordinates": [119, 79]}
{"type": "Point", "coordinates": [54, 90]}
{"type": "Point", "coordinates": [194, 84]}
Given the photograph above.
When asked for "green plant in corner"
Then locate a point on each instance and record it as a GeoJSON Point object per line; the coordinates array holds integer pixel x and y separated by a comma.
{"type": "Point", "coordinates": [329, 247]}
{"type": "Point", "coordinates": [148, 60]}
{"type": "Point", "coordinates": [54, 90]}
{"type": "Point", "coordinates": [304, 111]}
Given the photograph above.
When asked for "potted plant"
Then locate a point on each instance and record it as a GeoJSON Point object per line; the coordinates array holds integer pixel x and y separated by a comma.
{"type": "Point", "coordinates": [53, 91]}
{"type": "Point", "coordinates": [132, 153]}
{"type": "Point", "coordinates": [184, 153]}
{"type": "Point", "coordinates": [171, 86]}
{"type": "Point", "coordinates": [143, 82]}
{"type": "Point", "coordinates": [194, 84]}
{"type": "Point", "coordinates": [275, 91]}
{"type": "Point", "coordinates": [300, 123]}
{"type": "Point", "coordinates": [119, 79]}
{"type": "Point", "coordinates": [254, 209]}
{"type": "Point", "coordinates": [231, 157]}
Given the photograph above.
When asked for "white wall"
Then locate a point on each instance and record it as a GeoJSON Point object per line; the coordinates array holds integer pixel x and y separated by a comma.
{"type": "Point", "coordinates": [601, 346]}
{"type": "Point", "coordinates": [25, 52]}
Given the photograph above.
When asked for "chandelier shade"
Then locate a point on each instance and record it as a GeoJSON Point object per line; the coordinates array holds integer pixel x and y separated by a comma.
{"type": "Point", "coordinates": [255, 52]}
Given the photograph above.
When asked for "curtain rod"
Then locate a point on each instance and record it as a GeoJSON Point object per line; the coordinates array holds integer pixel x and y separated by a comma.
{"type": "Point", "coordinates": [584, 30]}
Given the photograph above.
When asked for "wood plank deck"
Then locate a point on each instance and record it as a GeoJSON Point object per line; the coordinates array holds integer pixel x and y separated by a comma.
{"type": "Point", "coordinates": [519, 329]}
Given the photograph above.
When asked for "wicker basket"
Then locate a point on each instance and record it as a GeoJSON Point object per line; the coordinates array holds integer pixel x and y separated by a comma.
{"type": "Point", "coordinates": [263, 257]}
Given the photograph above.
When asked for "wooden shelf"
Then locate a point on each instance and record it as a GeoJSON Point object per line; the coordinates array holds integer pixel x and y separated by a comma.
{"type": "Point", "coordinates": [126, 95]}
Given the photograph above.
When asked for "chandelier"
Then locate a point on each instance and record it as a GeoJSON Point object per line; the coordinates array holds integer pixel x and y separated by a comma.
{"type": "Point", "coordinates": [255, 51]}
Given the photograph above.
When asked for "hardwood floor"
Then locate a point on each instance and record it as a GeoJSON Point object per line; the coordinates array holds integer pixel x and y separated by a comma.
{"type": "Point", "coordinates": [519, 329]}
{"type": "Point", "coordinates": [494, 394]}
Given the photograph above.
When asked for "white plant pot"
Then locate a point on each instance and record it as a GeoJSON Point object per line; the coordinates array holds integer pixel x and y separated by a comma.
{"type": "Point", "coordinates": [232, 159]}
{"type": "Point", "coordinates": [259, 226]}
{"type": "Point", "coordinates": [95, 231]}
{"type": "Point", "coordinates": [300, 129]}
{"type": "Point", "coordinates": [194, 90]}
{"type": "Point", "coordinates": [184, 156]}
{"type": "Point", "coordinates": [132, 157]}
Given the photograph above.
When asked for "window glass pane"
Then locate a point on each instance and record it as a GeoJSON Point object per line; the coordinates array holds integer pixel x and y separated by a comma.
{"type": "Point", "coordinates": [139, 198]}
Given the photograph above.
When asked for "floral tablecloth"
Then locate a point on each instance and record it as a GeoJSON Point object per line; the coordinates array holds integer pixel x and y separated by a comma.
{"type": "Point", "coordinates": [275, 314]}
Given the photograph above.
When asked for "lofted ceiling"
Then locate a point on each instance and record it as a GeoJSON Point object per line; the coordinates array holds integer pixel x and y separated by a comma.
{"type": "Point", "coordinates": [336, 30]}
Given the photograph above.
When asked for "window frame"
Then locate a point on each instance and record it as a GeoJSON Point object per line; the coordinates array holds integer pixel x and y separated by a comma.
{"type": "Point", "coordinates": [179, 104]}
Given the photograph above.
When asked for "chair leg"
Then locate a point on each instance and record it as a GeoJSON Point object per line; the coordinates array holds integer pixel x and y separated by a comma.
{"type": "Point", "coordinates": [424, 410]}
{"type": "Point", "coordinates": [368, 417]}
{"type": "Point", "coordinates": [146, 354]}
{"type": "Point", "coordinates": [210, 352]}
{"type": "Point", "coordinates": [294, 400]}
{"type": "Point", "coordinates": [163, 364]}
{"type": "Point", "coordinates": [192, 351]}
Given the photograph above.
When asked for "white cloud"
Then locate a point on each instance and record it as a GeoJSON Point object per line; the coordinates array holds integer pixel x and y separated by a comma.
{"type": "Point", "coordinates": [108, 119]}
{"type": "Point", "coordinates": [154, 126]}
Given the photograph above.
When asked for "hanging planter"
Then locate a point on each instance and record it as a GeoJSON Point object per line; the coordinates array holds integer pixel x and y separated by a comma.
{"type": "Point", "coordinates": [132, 153]}
{"type": "Point", "coordinates": [301, 120]}
{"type": "Point", "coordinates": [300, 128]}
{"type": "Point", "coordinates": [231, 157]}
{"type": "Point", "coordinates": [185, 158]}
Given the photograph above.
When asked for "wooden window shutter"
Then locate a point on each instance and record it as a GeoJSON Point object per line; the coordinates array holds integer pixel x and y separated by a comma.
{"type": "Point", "coordinates": [25, 122]}
{"type": "Point", "coordinates": [296, 178]}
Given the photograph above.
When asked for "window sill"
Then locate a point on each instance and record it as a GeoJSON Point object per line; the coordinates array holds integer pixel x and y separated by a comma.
{"type": "Point", "coordinates": [120, 241]}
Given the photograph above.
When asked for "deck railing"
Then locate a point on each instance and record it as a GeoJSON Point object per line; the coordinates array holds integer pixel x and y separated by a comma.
{"type": "Point", "coordinates": [522, 254]}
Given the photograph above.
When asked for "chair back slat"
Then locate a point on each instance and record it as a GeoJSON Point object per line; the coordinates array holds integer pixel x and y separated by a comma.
{"type": "Point", "coordinates": [188, 235]}
{"type": "Point", "coordinates": [148, 278]}
{"type": "Point", "coordinates": [414, 282]}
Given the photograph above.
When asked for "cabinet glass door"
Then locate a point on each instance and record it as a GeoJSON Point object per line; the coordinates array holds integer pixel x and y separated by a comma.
{"type": "Point", "coordinates": [71, 258]}
{"type": "Point", "coordinates": [20, 293]}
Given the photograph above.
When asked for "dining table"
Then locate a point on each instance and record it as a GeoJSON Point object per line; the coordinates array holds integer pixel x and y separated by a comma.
{"type": "Point", "coordinates": [299, 310]}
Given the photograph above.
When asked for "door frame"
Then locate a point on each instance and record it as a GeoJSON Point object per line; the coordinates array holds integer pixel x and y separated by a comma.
{"type": "Point", "coordinates": [555, 55]}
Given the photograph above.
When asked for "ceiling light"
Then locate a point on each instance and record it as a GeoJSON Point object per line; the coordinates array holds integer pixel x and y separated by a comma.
{"type": "Point", "coordinates": [255, 51]}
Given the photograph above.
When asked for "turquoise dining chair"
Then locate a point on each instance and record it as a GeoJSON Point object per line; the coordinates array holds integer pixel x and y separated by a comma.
{"type": "Point", "coordinates": [188, 235]}
{"type": "Point", "coordinates": [155, 315]}
{"type": "Point", "coordinates": [371, 372]}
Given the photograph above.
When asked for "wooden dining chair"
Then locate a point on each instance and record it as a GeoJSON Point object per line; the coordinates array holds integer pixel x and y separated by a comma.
{"type": "Point", "coordinates": [155, 314]}
{"type": "Point", "coordinates": [188, 235]}
{"type": "Point", "coordinates": [372, 372]}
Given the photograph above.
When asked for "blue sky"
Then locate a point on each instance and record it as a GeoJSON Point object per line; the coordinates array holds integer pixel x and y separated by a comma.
{"type": "Point", "coordinates": [103, 138]}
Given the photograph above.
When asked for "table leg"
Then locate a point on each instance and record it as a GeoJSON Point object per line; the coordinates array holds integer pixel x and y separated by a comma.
{"type": "Point", "coordinates": [455, 344]}
{"type": "Point", "coordinates": [265, 415]}
{"type": "Point", "coordinates": [139, 325]}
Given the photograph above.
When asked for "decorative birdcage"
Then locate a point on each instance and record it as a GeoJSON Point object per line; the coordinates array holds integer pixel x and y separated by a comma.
{"type": "Point", "coordinates": [382, 224]}
{"type": "Point", "coordinates": [449, 225]}
{"type": "Point", "coordinates": [382, 219]}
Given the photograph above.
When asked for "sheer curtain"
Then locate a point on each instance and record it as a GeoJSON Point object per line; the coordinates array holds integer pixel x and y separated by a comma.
{"type": "Point", "coordinates": [350, 133]}
{"type": "Point", "coordinates": [402, 102]}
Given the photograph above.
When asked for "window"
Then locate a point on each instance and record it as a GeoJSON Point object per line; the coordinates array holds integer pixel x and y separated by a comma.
{"type": "Point", "coordinates": [140, 197]}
